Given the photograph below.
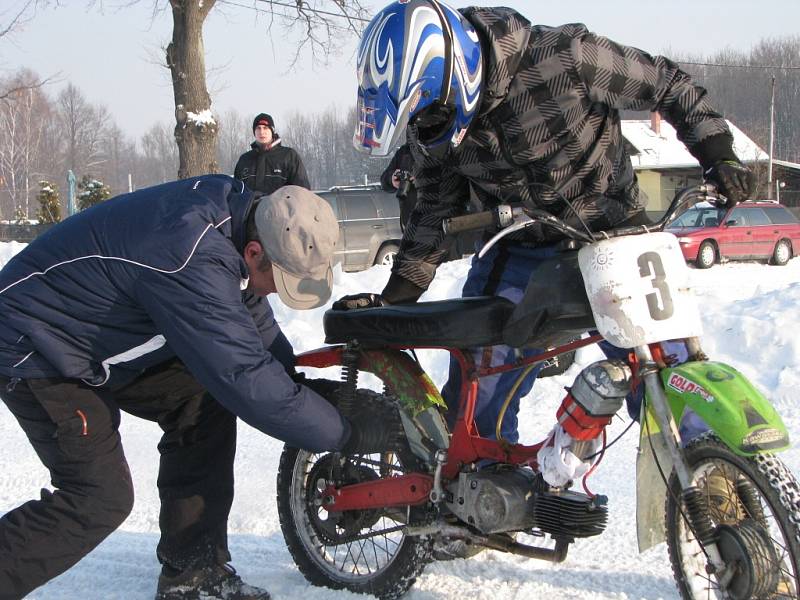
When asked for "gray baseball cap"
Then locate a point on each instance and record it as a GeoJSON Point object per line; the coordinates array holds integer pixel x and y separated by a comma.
{"type": "Point", "coordinates": [298, 232]}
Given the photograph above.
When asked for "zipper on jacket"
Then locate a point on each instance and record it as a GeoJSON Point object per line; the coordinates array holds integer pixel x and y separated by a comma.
{"type": "Point", "coordinates": [12, 383]}
{"type": "Point", "coordinates": [504, 145]}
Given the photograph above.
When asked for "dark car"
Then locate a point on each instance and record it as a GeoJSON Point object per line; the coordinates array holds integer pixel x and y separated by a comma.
{"type": "Point", "coordinates": [750, 231]}
{"type": "Point", "coordinates": [369, 225]}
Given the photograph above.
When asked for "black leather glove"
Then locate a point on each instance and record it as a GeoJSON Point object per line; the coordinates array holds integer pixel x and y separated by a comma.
{"type": "Point", "coordinates": [365, 300]}
{"type": "Point", "coordinates": [397, 291]}
{"type": "Point", "coordinates": [375, 428]}
{"type": "Point", "coordinates": [734, 181]}
{"type": "Point", "coordinates": [327, 388]}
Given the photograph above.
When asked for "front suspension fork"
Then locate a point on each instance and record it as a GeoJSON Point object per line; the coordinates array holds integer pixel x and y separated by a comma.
{"type": "Point", "coordinates": [698, 518]}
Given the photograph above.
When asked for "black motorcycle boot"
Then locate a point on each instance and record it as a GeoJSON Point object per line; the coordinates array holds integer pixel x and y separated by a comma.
{"type": "Point", "coordinates": [214, 582]}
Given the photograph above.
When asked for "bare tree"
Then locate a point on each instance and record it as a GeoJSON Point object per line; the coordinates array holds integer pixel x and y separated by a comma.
{"type": "Point", "coordinates": [234, 137]}
{"type": "Point", "coordinates": [24, 112]}
{"type": "Point", "coordinates": [325, 143]}
{"type": "Point", "coordinates": [739, 84]}
{"type": "Point", "coordinates": [160, 155]}
{"type": "Point", "coordinates": [317, 25]}
{"type": "Point", "coordinates": [9, 23]}
{"type": "Point", "coordinates": [195, 127]}
{"type": "Point", "coordinates": [120, 159]}
{"type": "Point", "coordinates": [83, 129]}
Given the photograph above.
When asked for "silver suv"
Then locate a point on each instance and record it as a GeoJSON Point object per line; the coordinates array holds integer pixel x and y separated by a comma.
{"type": "Point", "coordinates": [369, 225]}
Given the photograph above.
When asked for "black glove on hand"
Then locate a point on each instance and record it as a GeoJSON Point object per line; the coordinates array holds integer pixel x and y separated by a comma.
{"type": "Point", "coordinates": [376, 428]}
{"type": "Point", "coordinates": [734, 180]}
{"type": "Point", "coordinates": [327, 388]}
{"type": "Point", "coordinates": [354, 301]}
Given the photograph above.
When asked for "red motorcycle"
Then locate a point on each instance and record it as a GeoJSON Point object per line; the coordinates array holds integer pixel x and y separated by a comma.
{"type": "Point", "coordinates": [728, 509]}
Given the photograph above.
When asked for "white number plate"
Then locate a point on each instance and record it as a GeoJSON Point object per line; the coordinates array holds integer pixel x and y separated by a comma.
{"type": "Point", "coordinates": [638, 287]}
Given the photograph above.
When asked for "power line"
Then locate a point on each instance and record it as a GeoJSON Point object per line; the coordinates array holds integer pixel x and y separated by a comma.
{"type": "Point", "coordinates": [766, 67]}
{"type": "Point", "coordinates": [300, 7]}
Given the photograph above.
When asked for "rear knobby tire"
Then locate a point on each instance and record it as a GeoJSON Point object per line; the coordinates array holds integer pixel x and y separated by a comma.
{"type": "Point", "coordinates": [382, 564]}
{"type": "Point", "coordinates": [772, 520]}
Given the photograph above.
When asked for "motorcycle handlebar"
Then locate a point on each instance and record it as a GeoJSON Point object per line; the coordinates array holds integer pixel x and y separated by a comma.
{"type": "Point", "coordinates": [509, 219]}
{"type": "Point", "coordinates": [501, 216]}
{"type": "Point", "coordinates": [479, 220]}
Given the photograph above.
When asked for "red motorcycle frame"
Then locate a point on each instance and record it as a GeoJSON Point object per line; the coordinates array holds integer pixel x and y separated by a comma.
{"type": "Point", "coordinates": [403, 375]}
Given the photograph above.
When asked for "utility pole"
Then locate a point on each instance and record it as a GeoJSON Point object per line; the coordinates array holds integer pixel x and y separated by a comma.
{"type": "Point", "coordinates": [771, 139]}
{"type": "Point", "coordinates": [70, 193]}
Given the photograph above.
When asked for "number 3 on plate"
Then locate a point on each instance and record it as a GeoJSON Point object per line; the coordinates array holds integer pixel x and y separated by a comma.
{"type": "Point", "coordinates": [659, 303]}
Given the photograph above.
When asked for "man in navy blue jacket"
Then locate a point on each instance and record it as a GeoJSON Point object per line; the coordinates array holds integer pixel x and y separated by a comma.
{"type": "Point", "coordinates": [153, 303]}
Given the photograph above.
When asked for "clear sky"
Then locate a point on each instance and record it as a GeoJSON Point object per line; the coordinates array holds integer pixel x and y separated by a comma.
{"type": "Point", "coordinates": [115, 57]}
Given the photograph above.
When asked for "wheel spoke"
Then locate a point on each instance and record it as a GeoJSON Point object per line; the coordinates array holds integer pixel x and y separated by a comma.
{"type": "Point", "coordinates": [353, 546]}
{"type": "Point", "coordinates": [353, 549]}
{"type": "Point", "coordinates": [755, 535]}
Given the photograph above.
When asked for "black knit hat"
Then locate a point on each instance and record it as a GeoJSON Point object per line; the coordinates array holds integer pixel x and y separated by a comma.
{"type": "Point", "coordinates": [263, 119]}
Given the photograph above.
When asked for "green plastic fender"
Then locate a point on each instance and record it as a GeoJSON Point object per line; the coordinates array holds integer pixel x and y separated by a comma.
{"type": "Point", "coordinates": [728, 403]}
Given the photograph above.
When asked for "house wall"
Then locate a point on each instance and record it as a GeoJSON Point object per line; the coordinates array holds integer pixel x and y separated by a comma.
{"type": "Point", "coordinates": [660, 186]}
{"type": "Point", "coordinates": [650, 184]}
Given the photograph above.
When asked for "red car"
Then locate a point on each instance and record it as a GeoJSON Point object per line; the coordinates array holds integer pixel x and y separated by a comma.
{"type": "Point", "coordinates": [757, 230]}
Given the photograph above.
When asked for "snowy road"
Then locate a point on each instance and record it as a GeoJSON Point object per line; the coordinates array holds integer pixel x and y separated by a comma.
{"type": "Point", "coordinates": [751, 321]}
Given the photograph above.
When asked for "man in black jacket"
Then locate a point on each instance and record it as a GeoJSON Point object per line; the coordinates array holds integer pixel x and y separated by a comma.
{"type": "Point", "coordinates": [153, 303]}
{"type": "Point", "coordinates": [268, 165]}
{"type": "Point", "coordinates": [517, 113]}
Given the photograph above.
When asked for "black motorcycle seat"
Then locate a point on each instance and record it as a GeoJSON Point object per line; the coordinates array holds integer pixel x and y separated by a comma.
{"type": "Point", "coordinates": [554, 308]}
{"type": "Point", "coordinates": [458, 323]}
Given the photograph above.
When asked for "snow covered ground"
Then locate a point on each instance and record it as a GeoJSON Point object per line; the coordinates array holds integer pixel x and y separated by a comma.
{"type": "Point", "coordinates": [750, 319]}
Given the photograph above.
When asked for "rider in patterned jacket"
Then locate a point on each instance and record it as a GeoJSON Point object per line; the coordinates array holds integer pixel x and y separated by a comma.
{"type": "Point", "coordinates": [519, 113]}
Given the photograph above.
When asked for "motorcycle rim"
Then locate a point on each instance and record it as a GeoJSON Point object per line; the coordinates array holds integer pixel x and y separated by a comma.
{"type": "Point", "coordinates": [362, 551]}
{"type": "Point", "coordinates": [754, 506]}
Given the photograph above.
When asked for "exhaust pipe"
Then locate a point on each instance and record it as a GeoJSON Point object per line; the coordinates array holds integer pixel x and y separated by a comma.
{"type": "Point", "coordinates": [494, 541]}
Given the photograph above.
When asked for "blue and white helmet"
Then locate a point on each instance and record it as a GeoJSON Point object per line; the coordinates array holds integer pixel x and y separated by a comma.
{"type": "Point", "coordinates": [419, 63]}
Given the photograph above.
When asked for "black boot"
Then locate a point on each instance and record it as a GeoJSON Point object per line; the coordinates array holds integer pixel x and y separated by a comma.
{"type": "Point", "coordinates": [215, 582]}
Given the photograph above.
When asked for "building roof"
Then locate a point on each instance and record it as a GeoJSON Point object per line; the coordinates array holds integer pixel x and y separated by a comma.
{"type": "Point", "coordinates": [663, 150]}
{"type": "Point", "coordinates": [785, 163]}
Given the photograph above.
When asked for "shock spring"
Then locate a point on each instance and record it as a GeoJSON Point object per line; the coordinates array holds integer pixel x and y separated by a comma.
{"type": "Point", "coordinates": [749, 497]}
{"type": "Point", "coordinates": [347, 394]}
{"type": "Point", "coordinates": [698, 516]}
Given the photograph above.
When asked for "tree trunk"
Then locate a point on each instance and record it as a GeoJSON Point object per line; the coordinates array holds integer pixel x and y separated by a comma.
{"type": "Point", "coordinates": [195, 129]}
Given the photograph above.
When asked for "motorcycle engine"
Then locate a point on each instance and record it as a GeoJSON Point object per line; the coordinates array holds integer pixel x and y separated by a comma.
{"type": "Point", "coordinates": [505, 498]}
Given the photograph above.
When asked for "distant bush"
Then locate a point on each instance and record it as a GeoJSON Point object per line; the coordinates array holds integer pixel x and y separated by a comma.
{"type": "Point", "coordinates": [49, 203]}
{"type": "Point", "coordinates": [93, 192]}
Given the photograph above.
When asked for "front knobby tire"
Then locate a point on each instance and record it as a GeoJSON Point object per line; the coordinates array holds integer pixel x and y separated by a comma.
{"type": "Point", "coordinates": [754, 506]}
{"type": "Point", "coordinates": [366, 552]}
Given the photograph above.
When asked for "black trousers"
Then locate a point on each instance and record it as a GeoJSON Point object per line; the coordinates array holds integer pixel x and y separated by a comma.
{"type": "Point", "coordinates": [74, 430]}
